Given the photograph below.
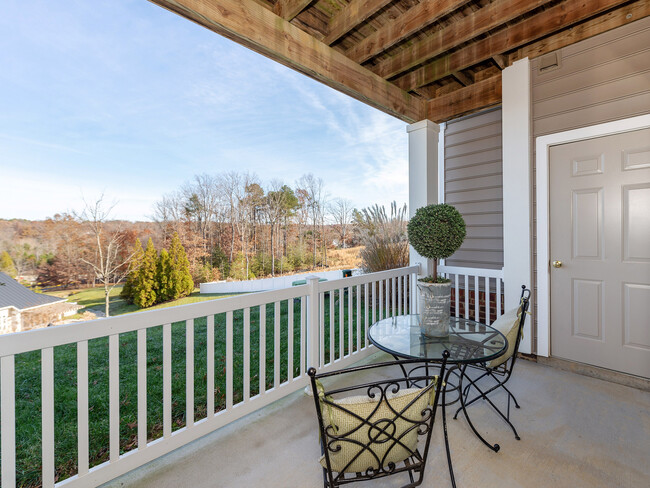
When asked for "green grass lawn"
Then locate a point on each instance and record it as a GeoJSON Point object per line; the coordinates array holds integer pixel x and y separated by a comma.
{"type": "Point", "coordinates": [28, 380]}
{"type": "Point", "coordinates": [92, 300]}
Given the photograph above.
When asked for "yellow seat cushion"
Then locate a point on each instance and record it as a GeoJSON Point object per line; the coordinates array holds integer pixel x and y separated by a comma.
{"type": "Point", "coordinates": [508, 325]}
{"type": "Point", "coordinates": [382, 437]}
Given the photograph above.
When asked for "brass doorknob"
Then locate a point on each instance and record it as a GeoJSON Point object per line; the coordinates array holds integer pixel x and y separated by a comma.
{"type": "Point", "coordinates": [557, 264]}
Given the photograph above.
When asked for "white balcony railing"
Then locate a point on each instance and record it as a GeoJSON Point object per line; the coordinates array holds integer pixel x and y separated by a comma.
{"type": "Point", "coordinates": [318, 324]}
{"type": "Point", "coordinates": [482, 286]}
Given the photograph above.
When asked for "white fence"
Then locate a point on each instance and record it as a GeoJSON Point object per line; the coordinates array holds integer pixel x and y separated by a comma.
{"type": "Point", "coordinates": [265, 284]}
{"type": "Point", "coordinates": [474, 281]}
{"type": "Point", "coordinates": [318, 324]}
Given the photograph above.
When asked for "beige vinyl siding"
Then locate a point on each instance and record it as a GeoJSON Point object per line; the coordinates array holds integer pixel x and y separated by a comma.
{"type": "Point", "coordinates": [601, 79]}
{"type": "Point", "coordinates": [598, 80]}
{"type": "Point", "coordinates": [473, 184]}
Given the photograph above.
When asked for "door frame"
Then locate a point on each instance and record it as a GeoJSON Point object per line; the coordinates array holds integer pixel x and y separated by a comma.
{"type": "Point", "coordinates": [542, 151]}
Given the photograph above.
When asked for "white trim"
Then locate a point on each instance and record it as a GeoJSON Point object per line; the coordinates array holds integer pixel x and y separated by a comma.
{"type": "Point", "coordinates": [542, 146]}
{"type": "Point", "coordinates": [441, 163]}
{"type": "Point", "coordinates": [516, 139]}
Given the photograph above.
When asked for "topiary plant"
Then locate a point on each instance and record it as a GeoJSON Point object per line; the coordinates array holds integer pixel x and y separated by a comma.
{"type": "Point", "coordinates": [436, 232]}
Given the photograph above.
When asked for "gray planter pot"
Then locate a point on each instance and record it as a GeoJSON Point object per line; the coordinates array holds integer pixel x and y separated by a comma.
{"type": "Point", "coordinates": [435, 300]}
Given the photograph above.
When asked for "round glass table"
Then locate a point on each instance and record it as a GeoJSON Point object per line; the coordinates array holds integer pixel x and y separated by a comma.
{"type": "Point", "coordinates": [468, 342]}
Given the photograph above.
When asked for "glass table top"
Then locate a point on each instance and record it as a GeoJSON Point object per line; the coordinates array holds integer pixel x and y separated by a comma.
{"type": "Point", "coordinates": [467, 342]}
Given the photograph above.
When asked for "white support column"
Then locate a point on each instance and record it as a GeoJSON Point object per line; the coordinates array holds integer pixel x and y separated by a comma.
{"type": "Point", "coordinates": [517, 133]}
{"type": "Point", "coordinates": [423, 175]}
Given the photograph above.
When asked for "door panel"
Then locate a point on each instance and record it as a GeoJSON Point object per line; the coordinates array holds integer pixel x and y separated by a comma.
{"type": "Point", "coordinates": [600, 231]}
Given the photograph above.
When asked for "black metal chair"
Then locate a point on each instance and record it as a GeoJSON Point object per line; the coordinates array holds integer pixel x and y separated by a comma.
{"type": "Point", "coordinates": [499, 370]}
{"type": "Point", "coordinates": [383, 429]}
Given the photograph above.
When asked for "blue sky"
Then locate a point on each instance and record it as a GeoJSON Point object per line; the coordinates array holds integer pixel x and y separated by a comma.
{"type": "Point", "coordinates": [124, 98]}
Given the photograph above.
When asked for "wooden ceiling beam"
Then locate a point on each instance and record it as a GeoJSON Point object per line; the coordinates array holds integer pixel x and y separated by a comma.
{"type": "Point", "coordinates": [493, 15]}
{"type": "Point", "coordinates": [351, 16]}
{"type": "Point", "coordinates": [603, 23]}
{"type": "Point", "coordinates": [413, 20]}
{"type": "Point", "coordinates": [259, 29]}
{"type": "Point", "coordinates": [542, 24]}
{"type": "Point", "coordinates": [501, 61]}
{"type": "Point", "coordinates": [464, 79]}
{"type": "Point", "coordinates": [465, 100]}
{"type": "Point", "coordinates": [288, 9]}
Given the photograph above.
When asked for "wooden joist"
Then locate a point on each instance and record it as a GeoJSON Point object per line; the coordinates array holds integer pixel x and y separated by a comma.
{"type": "Point", "coordinates": [465, 29]}
{"type": "Point", "coordinates": [288, 9]}
{"type": "Point", "coordinates": [465, 100]}
{"type": "Point", "coordinates": [610, 20]}
{"type": "Point", "coordinates": [411, 21]}
{"type": "Point", "coordinates": [351, 16]}
{"type": "Point", "coordinates": [539, 25]}
{"type": "Point", "coordinates": [259, 29]}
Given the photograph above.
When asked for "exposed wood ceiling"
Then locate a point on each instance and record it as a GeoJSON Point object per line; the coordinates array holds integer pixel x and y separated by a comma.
{"type": "Point", "coordinates": [414, 59]}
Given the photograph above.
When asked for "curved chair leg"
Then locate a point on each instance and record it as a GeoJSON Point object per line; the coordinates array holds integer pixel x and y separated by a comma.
{"type": "Point", "coordinates": [494, 447]}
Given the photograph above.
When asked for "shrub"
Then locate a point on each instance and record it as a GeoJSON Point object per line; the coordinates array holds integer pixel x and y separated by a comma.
{"type": "Point", "coordinates": [436, 232]}
{"type": "Point", "coordinates": [383, 237]}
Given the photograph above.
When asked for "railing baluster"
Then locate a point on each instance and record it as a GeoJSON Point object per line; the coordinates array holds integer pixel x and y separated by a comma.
{"type": "Point", "coordinates": [358, 295]}
{"type": "Point", "coordinates": [466, 287]}
{"type": "Point", "coordinates": [366, 315]}
{"type": "Point", "coordinates": [341, 324]}
{"type": "Point", "coordinates": [381, 299]}
{"type": "Point", "coordinates": [456, 297]}
{"type": "Point", "coordinates": [319, 327]}
{"type": "Point", "coordinates": [400, 284]}
{"type": "Point", "coordinates": [486, 282]}
{"type": "Point", "coordinates": [167, 380]}
{"type": "Point", "coordinates": [114, 396]}
{"type": "Point", "coordinates": [498, 297]}
{"type": "Point", "coordinates": [303, 335]}
{"type": "Point", "coordinates": [82, 407]}
{"type": "Point", "coordinates": [350, 334]}
{"type": "Point", "coordinates": [47, 415]}
{"type": "Point", "coordinates": [189, 373]}
{"type": "Point", "coordinates": [247, 354]}
{"type": "Point", "coordinates": [210, 366]}
{"type": "Point", "coordinates": [8, 421]}
{"type": "Point", "coordinates": [332, 325]}
{"type": "Point", "coordinates": [142, 388]}
{"type": "Point", "coordinates": [276, 345]}
{"type": "Point", "coordinates": [230, 384]}
{"type": "Point", "coordinates": [374, 307]}
{"type": "Point", "coordinates": [393, 292]}
{"type": "Point", "coordinates": [262, 353]}
{"type": "Point", "coordinates": [477, 296]}
{"type": "Point", "coordinates": [290, 339]}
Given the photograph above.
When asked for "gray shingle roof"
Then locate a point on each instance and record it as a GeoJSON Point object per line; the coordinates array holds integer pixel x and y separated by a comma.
{"type": "Point", "coordinates": [13, 294]}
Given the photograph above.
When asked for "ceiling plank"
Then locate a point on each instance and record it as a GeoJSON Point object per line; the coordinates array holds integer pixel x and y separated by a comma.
{"type": "Point", "coordinates": [493, 15]}
{"type": "Point", "coordinates": [288, 9]}
{"type": "Point", "coordinates": [465, 100]}
{"type": "Point", "coordinates": [351, 16]}
{"type": "Point", "coordinates": [259, 29]}
{"type": "Point", "coordinates": [413, 20]}
{"type": "Point", "coordinates": [610, 20]}
{"type": "Point", "coordinates": [542, 24]}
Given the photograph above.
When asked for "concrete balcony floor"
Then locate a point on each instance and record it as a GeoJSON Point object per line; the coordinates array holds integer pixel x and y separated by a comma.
{"type": "Point", "coordinates": [576, 431]}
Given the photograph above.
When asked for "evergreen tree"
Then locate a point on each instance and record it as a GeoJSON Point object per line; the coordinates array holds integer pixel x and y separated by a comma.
{"type": "Point", "coordinates": [134, 268]}
{"type": "Point", "coordinates": [7, 264]}
{"type": "Point", "coordinates": [164, 286]}
{"type": "Point", "coordinates": [180, 276]}
{"type": "Point", "coordinates": [144, 286]}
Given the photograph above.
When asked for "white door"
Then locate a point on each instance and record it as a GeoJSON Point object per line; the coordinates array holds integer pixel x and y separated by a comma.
{"type": "Point", "coordinates": [600, 251]}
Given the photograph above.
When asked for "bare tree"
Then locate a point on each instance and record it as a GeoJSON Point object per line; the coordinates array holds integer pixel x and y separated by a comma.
{"type": "Point", "coordinates": [341, 211]}
{"type": "Point", "coordinates": [312, 190]}
{"type": "Point", "coordinates": [108, 260]}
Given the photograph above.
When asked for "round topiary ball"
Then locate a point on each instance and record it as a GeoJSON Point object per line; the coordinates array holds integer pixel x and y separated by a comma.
{"type": "Point", "coordinates": [436, 231]}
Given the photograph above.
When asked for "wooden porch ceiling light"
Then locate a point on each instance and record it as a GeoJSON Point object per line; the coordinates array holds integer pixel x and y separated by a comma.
{"type": "Point", "coordinates": [413, 59]}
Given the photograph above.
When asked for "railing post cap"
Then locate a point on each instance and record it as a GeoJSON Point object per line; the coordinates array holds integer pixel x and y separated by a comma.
{"type": "Point", "coordinates": [312, 278]}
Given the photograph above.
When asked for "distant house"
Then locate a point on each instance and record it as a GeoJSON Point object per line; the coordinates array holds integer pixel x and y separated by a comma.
{"type": "Point", "coordinates": [22, 309]}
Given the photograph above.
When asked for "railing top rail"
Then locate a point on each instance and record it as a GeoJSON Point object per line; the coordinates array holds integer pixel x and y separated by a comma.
{"type": "Point", "coordinates": [458, 270]}
{"type": "Point", "coordinates": [37, 339]}
{"type": "Point", "coordinates": [365, 278]}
